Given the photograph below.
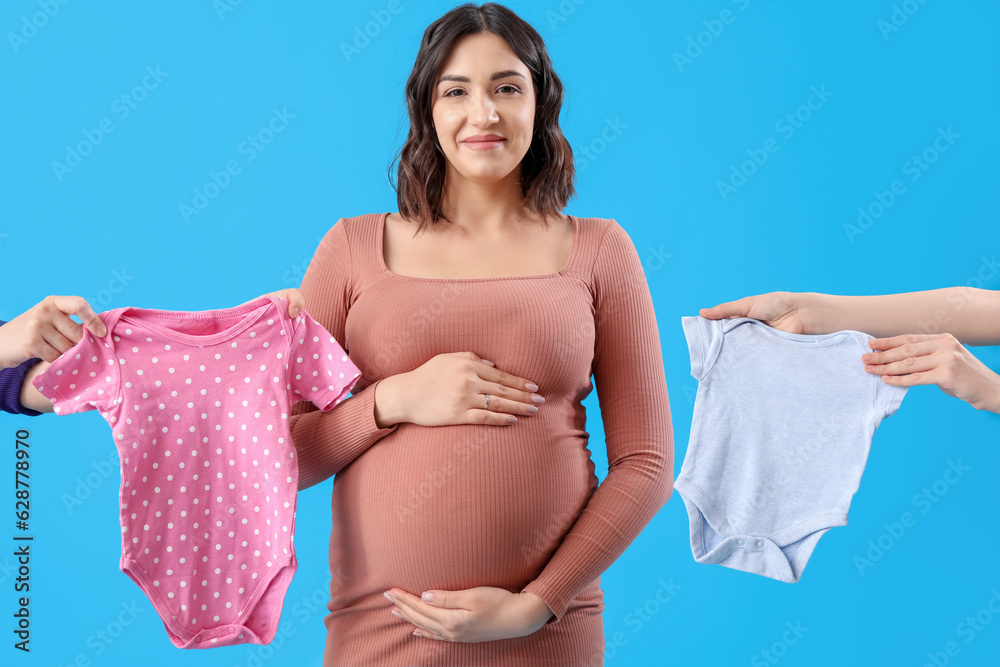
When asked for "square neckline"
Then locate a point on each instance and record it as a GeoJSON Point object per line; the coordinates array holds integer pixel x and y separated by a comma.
{"type": "Point", "coordinates": [574, 249]}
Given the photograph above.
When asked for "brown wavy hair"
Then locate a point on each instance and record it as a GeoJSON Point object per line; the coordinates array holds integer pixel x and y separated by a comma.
{"type": "Point", "coordinates": [547, 170]}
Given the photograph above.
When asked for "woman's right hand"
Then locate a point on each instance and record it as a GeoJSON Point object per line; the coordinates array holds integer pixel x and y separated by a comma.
{"type": "Point", "coordinates": [778, 310]}
{"type": "Point", "coordinates": [451, 388]}
{"type": "Point", "coordinates": [46, 330]}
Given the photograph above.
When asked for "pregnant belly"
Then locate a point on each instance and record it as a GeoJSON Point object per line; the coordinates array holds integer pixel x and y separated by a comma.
{"type": "Point", "coordinates": [455, 507]}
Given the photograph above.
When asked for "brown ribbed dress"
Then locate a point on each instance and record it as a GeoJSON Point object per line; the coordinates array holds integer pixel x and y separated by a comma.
{"type": "Point", "coordinates": [461, 506]}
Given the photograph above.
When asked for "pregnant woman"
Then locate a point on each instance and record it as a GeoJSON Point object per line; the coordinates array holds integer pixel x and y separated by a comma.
{"type": "Point", "coordinates": [474, 532]}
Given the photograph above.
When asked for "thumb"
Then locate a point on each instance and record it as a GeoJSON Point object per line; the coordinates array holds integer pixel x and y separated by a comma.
{"type": "Point", "coordinates": [446, 599]}
{"type": "Point", "coordinates": [75, 305]}
{"type": "Point", "coordinates": [296, 302]}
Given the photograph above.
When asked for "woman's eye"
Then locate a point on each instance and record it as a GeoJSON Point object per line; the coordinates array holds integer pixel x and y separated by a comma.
{"type": "Point", "coordinates": [508, 87]}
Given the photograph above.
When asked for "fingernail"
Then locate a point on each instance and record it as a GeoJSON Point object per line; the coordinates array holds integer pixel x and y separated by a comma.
{"type": "Point", "coordinates": [428, 597]}
{"type": "Point", "coordinates": [489, 362]}
{"type": "Point", "coordinates": [537, 399]}
{"type": "Point", "coordinates": [511, 418]}
{"type": "Point", "coordinates": [531, 386]}
{"type": "Point", "coordinates": [417, 634]}
{"type": "Point", "coordinates": [532, 409]}
{"type": "Point", "coordinates": [102, 331]}
{"type": "Point", "coordinates": [396, 614]}
{"type": "Point", "coordinates": [389, 597]}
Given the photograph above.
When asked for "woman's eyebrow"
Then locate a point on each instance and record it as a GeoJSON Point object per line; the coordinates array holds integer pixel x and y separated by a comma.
{"type": "Point", "coordinates": [494, 77]}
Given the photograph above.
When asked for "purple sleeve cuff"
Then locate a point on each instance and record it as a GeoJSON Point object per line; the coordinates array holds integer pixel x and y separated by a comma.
{"type": "Point", "coordinates": [11, 381]}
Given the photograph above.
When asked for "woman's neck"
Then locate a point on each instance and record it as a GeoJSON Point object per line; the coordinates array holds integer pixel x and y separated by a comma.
{"type": "Point", "coordinates": [477, 208]}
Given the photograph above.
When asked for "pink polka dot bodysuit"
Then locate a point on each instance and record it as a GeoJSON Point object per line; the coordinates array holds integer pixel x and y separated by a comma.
{"type": "Point", "coordinates": [198, 403]}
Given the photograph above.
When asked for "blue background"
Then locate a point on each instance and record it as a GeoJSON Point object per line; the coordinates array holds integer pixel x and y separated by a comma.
{"type": "Point", "coordinates": [111, 230]}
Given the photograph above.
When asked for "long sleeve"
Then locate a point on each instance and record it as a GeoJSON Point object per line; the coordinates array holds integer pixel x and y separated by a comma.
{"type": "Point", "coordinates": [11, 381]}
{"type": "Point", "coordinates": [632, 391]}
{"type": "Point", "coordinates": [328, 441]}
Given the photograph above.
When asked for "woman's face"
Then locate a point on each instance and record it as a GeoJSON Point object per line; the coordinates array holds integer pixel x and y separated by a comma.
{"type": "Point", "coordinates": [484, 90]}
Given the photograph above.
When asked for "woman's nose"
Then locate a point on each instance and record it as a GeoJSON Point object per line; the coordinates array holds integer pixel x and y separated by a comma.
{"type": "Point", "coordinates": [483, 111]}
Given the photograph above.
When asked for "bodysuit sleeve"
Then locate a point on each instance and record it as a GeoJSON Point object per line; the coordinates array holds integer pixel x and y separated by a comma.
{"type": "Point", "coordinates": [84, 377]}
{"type": "Point", "coordinates": [319, 369]}
{"type": "Point", "coordinates": [704, 340]}
{"type": "Point", "coordinates": [632, 391]}
{"type": "Point", "coordinates": [328, 441]}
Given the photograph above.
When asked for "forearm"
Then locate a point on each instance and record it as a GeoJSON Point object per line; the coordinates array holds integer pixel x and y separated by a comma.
{"type": "Point", "coordinates": [328, 441]}
{"type": "Point", "coordinates": [992, 403]}
{"type": "Point", "coordinates": [30, 398]}
{"type": "Point", "coordinates": [623, 504]}
{"type": "Point", "coordinates": [971, 315]}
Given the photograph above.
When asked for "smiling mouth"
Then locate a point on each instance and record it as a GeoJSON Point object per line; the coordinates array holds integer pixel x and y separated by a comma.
{"type": "Point", "coordinates": [483, 144]}
{"type": "Point", "coordinates": [483, 138]}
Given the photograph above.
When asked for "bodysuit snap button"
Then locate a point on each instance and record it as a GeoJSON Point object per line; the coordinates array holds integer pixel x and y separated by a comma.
{"type": "Point", "coordinates": [739, 542]}
{"type": "Point", "coordinates": [760, 543]}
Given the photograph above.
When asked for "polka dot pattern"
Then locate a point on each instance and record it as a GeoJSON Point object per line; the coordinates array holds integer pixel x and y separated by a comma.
{"type": "Point", "coordinates": [199, 405]}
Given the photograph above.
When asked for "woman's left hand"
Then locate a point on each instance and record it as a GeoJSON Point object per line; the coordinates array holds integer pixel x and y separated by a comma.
{"type": "Point", "coordinates": [296, 302]}
{"type": "Point", "coordinates": [938, 359]}
{"type": "Point", "coordinates": [473, 615]}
